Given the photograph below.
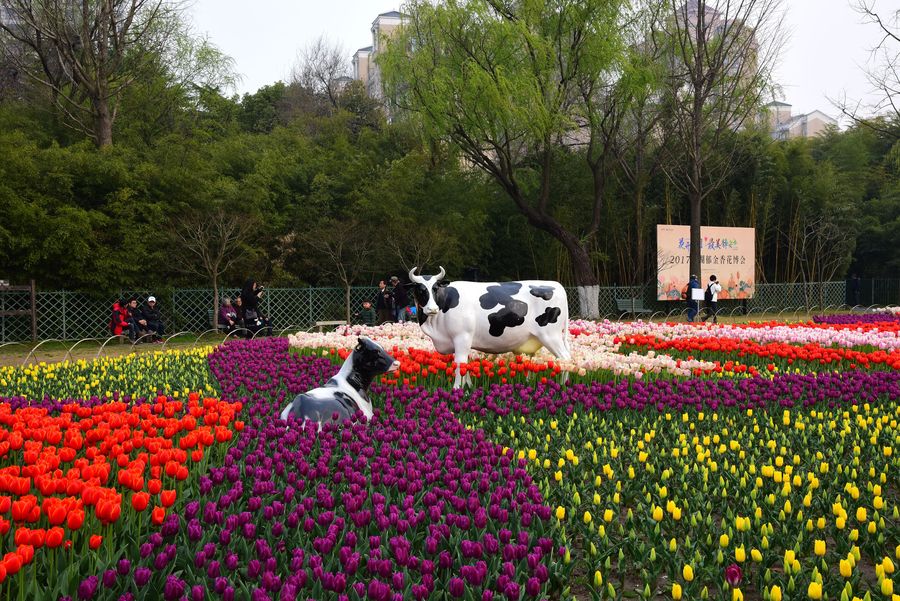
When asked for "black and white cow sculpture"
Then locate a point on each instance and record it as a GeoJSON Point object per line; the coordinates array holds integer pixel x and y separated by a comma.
{"type": "Point", "coordinates": [345, 393]}
{"type": "Point", "coordinates": [492, 317]}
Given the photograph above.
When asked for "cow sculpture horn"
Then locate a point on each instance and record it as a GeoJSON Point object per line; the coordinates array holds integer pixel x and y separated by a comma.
{"type": "Point", "coordinates": [413, 277]}
{"type": "Point", "coordinates": [441, 275]}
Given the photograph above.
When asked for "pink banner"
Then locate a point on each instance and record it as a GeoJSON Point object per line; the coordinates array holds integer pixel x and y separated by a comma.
{"type": "Point", "coordinates": [729, 253]}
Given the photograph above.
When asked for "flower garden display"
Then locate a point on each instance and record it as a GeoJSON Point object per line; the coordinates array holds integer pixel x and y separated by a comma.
{"type": "Point", "coordinates": [660, 461]}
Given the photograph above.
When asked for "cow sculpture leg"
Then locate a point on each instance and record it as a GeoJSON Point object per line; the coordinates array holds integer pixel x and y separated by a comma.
{"type": "Point", "coordinates": [462, 346]}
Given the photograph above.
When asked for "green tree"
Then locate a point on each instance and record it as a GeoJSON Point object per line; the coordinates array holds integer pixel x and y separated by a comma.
{"type": "Point", "coordinates": [502, 82]}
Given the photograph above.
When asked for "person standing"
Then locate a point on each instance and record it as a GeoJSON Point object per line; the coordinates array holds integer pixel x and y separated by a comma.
{"type": "Point", "coordinates": [401, 299]}
{"type": "Point", "coordinates": [711, 296]}
{"type": "Point", "coordinates": [254, 320]}
{"type": "Point", "coordinates": [692, 303]}
{"type": "Point", "coordinates": [854, 290]}
{"type": "Point", "coordinates": [384, 303]}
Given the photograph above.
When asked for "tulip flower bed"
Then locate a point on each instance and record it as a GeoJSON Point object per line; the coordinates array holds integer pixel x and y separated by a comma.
{"type": "Point", "coordinates": [76, 479]}
{"type": "Point", "coordinates": [652, 465]}
{"type": "Point", "coordinates": [147, 374]}
{"type": "Point", "coordinates": [857, 318]}
{"type": "Point", "coordinates": [773, 356]}
{"type": "Point", "coordinates": [662, 486]}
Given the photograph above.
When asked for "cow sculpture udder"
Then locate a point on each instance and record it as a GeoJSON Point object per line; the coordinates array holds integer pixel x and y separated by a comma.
{"type": "Point", "coordinates": [492, 317]}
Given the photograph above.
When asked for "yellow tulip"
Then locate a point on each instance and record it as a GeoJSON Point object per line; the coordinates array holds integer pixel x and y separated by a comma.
{"type": "Point", "coordinates": [598, 579]}
{"type": "Point", "coordinates": [819, 547]}
{"type": "Point", "coordinates": [860, 514]}
{"type": "Point", "coordinates": [560, 512]}
{"type": "Point", "coordinates": [658, 513]}
{"type": "Point", "coordinates": [587, 517]}
{"type": "Point", "coordinates": [775, 593]}
{"type": "Point", "coordinates": [846, 568]}
{"type": "Point", "coordinates": [888, 565]}
{"type": "Point", "coordinates": [887, 587]}
{"type": "Point", "coordinates": [814, 591]}
{"type": "Point", "coordinates": [676, 591]}
{"type": "Point", "coordinates": [608, 515]}
{"type": "Point", "coordinates": [687, 572]}
{"type": "Point", "coordinates": [737, 595]}
{"type": "Point", "coordinates": [723, 541]}
{"type": "Point", "coordinates": [740, 555]}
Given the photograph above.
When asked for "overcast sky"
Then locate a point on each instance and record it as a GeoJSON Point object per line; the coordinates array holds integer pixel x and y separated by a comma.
{"type": "Point", "coordinates": [827, 47]}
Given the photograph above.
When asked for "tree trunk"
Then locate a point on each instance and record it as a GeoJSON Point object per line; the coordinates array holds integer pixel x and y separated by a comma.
{"type": "Point", "coordinates": [585, 279]}
{"type": "Point", "coordinates": [347, 301]}
{"type": "Point", "coordinates": [639, 231]}
{"type": "Point", "coordinates": [696, 240]}
{"type": "Point", "coordinates": [215, 319]}
{"type": "Point", "coordinates": [102, 123]}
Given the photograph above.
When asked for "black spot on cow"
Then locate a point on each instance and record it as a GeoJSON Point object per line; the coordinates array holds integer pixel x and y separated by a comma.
{"type": "Point", "coordinates": [510, 316]}
{"type": "Point", "coordinates": [499, 294]}
{"type": "Point", "coordinates": [445, 295]}
{"type": "Point", "coordinates": [550, 315]}
{"type": "Point", "coordinates": [446, 298]}
{"type": "Point", "coordinates": [544, 292]}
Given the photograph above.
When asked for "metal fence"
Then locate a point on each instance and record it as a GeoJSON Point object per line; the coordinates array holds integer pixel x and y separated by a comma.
{"type": "Point", "coordinates": [68, 315]}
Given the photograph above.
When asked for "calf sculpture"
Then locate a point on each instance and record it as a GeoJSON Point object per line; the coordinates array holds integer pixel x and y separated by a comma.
{"type": "Point", "coordinates": [492, 317]}
{"type": "Point", "coordinates": [344, 394]}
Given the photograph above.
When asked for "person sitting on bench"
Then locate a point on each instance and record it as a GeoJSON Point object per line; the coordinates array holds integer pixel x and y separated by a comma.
{"type": "Point", "coordinates": [153, 319]}
{"type": "Point", "coordinates": [118, 321]}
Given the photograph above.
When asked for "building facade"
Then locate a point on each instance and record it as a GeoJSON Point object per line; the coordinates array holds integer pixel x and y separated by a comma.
{"type": "Point", "coordinates": [365, 66]}
{"type": "Point", "coordinates": [786, 126]}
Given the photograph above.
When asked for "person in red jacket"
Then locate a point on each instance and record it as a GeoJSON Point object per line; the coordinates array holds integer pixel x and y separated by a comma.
{"type": "Point", "coordinates": [118, 321]}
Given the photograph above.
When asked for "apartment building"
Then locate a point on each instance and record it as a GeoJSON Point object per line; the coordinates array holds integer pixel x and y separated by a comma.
{"type": "Point", "coordinates": [365, 67]}
{"type": "Point", "coordinates": [786, 126]}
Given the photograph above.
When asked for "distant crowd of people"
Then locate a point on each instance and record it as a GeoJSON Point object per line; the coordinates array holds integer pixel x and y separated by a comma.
{"type": "Point", "coordinates": [244, 316]}
{"type": "Point", "coordinates": [390, 305]}
{"type": "Point", "coordinates": [143, 324]}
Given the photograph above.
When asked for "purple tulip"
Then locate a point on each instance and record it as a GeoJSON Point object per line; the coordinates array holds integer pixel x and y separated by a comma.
{"type": "Point", "coordinates": [88, 588]}
{"type": "Point", "coordinates": [142, 576]}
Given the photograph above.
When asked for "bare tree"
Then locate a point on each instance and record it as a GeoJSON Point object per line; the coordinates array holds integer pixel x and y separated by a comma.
{"type": "Point", "coordinates": [342, 250]}
{"type": "Point", "coordinates": [85, 52]}
{"type": "Point", "coordinates": [322, 68]}
{"type": "Point", "coordinates": [721, 54]}
{"type": "Point", "coordinates": [424, 244]}
{"type": "Point", "coordinates": [210, 242]}
{"type": "Point", "coordinates": [883, 74]}
{"type": "Point", "coordinates": [823, 243]}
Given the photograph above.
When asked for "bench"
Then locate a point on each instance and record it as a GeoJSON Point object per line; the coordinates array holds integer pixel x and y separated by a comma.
{"type": "Point", "coordinates": [321, 325]}
{"type": "Point", "coordinates": [209, 317]}
{"type": "Point", "coordinates": [634, 306]}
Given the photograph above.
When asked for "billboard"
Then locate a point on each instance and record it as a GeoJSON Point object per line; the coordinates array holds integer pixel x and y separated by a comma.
{"type": "Point", "coordinates": [729, 253]}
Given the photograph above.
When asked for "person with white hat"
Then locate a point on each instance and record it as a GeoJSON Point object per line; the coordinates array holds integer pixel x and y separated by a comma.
{"type": "Point", "coordinates": [153, 318]}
